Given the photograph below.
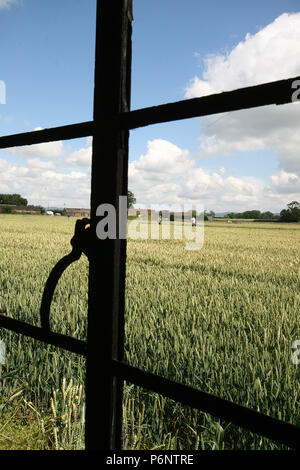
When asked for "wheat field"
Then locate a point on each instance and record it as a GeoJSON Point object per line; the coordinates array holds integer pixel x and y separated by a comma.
{"type": "Point", "coordinates": [222, 319]}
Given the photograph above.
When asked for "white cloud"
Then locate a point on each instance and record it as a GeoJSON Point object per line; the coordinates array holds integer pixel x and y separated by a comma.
{"type": "Point", "coordinates": [40, 183]}
{"type": "Point", "coordinates": [181, 182]}
{"type": "Point", "coordinates": [163, 156]}
{"type": "Point", "coordinates": [285, 183]}
{"type": "Point", "coordinates": [81, 157]}
{"type": "Point", "coordinates": [165, 174]}
{"type": "Point", "coordinates": [39, 164]}
{"type": "Point", "coordinates": [46, 150]}
{"type": "Point", "coordinates": [269, 55]}
{"type": "Point", "coordinates": [5, 4]}
{"type": "Point", "coordinates": [45, 176]}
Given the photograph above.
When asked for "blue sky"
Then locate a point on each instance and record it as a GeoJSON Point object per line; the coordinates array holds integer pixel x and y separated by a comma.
{"type": "Point", "coordinates": [236, 161]}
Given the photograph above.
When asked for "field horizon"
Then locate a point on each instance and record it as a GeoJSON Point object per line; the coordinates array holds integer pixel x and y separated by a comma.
{"type": "Point", "coordinates": [221, 319]}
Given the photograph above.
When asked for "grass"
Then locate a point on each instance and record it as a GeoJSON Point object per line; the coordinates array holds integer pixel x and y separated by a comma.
{"type": "Point", "coordinates": [20, 433]}
{"type": "Point", "coordinates": [221, 319]}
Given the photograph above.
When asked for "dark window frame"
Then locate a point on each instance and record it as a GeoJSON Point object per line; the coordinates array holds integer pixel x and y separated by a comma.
{"type": "Point", "coordinates": [110, 128]}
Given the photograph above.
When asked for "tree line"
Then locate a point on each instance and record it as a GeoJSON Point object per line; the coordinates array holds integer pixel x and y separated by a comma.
{"type": "Point", "coordinates": [254, 214]}
{"type": "Point", "coordinates": [291, 214]}
{"type": "Point", "coordinates": [13, 200]}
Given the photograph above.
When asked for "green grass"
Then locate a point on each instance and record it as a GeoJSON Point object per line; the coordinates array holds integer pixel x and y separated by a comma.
{"type": "Point", "coordinates": [20, 433]}
{"type": "Point", "coordinates": [221, 319]}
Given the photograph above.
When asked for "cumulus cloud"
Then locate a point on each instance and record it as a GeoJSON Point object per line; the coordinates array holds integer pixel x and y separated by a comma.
{"type": "Point", "coordinates": [81, 157]}
{"type": "Point", "coordinates": [164, 174]}
{"type": "Point", "coordinates": [5, 4]}
{"type": "Point", "coordinates": [269, 55]}
{"type": "Point", "coordinates": [174, 178]}
{"type": "Point", "coordinates": [285, 183]}
{"type": "Point", "coordinates": [38, 164]}
{"type": "Point", "coordinates": [163, 157]}
{"type": "Point", "coordinates": [48, 173]}
{"type": "Point", "coordinates": [41, 184]}
{"type": "Point", "coordinates": [46, 150]}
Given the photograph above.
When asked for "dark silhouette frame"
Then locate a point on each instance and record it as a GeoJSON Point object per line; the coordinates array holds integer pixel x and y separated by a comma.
{"type": "Point", "coordinates": [110, 128]}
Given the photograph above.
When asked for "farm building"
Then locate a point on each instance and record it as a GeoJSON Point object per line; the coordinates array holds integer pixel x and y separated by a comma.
{"type": "Point", "coordinates": [29, 209]}
{"type": "Point", "coordinates": [73, 212]}
{"type": "Point", "coordinates": [140, 212]}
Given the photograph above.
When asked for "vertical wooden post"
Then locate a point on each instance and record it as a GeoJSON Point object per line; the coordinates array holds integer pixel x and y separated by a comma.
{"type": "Point", "coordinates": [108, 260]}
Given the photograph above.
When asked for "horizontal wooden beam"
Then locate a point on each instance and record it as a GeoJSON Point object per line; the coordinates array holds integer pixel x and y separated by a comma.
{"type": "Point", "coordinates": [247, 418]}
{"type": "Point", "coordinates": [279, 92]}
{"type": "Point", "coordinates": [73, 131]}
{"type": "Point", "coordinates": [56, 339]}
{"type": "Point", "coordinates": [273, 93]}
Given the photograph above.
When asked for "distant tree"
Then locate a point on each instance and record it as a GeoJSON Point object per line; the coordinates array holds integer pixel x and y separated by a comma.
{"type": "Point", "coordinates": [293, 205]}
{"type": "Point", "coordinates": [292, 214]}
{"type": "Point", "coordinates": [6, 210]}
{"type": "Point", "coordinates": [130, 199]}
{"type": "Point", "coordinates": [210, 213]}
{"type": "Point", "coordinates": [267, 215]}
{"type": "Point", "coordinates": [254, 214]}
{"type": "Point", "coordinates": [250, 215]}
{"type": "Point", "coordinates": [13, 200]}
